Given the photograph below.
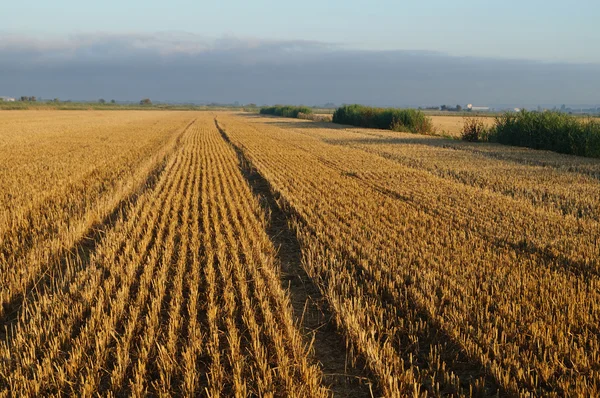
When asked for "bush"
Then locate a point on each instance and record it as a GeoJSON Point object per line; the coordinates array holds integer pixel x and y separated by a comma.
{"type": "Point", "coordinates": [553, 131]}
{"type": "Point", "coordinates": [474, 130]}
{"type": "Point", "coordinates": [411, 120]}
{"type": "Point", "coordinates": [285, 110]}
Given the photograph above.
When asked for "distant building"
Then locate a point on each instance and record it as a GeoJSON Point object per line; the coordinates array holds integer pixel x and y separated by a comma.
{"type": "Point", "coordinates": [478, 108]}
{"type": "Point", "coordinates": [7, 99]}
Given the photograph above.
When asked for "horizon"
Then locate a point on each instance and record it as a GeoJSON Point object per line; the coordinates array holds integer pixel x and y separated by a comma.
{"type": "Point", "coordinates": [323, 105]}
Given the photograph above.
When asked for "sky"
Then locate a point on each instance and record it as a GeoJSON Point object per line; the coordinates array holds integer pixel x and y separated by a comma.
{"type": "Point", "coordinates": [532, 29]}
{"type": "Point", "coordinates": [523, 42]}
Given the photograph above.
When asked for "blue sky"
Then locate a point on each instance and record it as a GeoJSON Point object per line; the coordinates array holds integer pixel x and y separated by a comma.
{"type": "Point", "coordinates": [565, 31]}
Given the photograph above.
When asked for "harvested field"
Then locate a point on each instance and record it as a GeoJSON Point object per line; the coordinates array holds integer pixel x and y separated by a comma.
{"type": "Point", "coordinates": [230, 254]}
{"type": "Point", "coordinates": [453, 268]}
{"type": "Point", "coordinates": [181, 293]}
{"type": "Point", "coordinates": [452, 126]}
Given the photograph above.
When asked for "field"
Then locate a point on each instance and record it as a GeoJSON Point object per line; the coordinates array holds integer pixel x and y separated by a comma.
{"type": "Point", "coordinates": [446, 126]}
{"type": "Point", "coordinates": [229, 254]}
{"type": "Point", "coordinates": [452, 126]}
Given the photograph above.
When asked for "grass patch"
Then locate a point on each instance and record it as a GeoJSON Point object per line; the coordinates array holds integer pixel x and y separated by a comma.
{"type": "Point", "coordinates": [554, 131]}
{"type": "Point", "coordinates": [409, 120]}
{"type": "Point", "coordinates": [285, 110]}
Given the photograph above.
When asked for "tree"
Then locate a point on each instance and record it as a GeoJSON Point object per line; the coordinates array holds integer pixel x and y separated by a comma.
{"type": "Point", "coordinates": [55, 100]}
{"type": "Point", "coordinates": [33, 98]}
{"type": "Point", "coordinates": [113, 101]}
{"type": "Point", "coordinates": [444, 108]}
{"type": "Point", "coordinates": [24, 98]}
{"type": "Point", "coordinates": [102, 101]}
{"type": "Point", "coordinates": [146, 101]}
{"type": "Point", "coordinates": [458, 108]}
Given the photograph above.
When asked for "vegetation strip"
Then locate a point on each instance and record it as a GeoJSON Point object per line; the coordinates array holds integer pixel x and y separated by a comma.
{"type": "Point", "coordinates": [551, 131]}
{"type": "Point", "coordinates": [286, 110]}
{"type": "Point", "coordinates": [411, 120]}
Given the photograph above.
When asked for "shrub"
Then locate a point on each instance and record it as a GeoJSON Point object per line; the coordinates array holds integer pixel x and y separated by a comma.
{"type": "Point", "coordinates": [553, 131]}
{"type": "Point", "coordinates": [285, 110]}
{"type": "Point", "coordinates": [474, 130]}
{"type": "Point", "coordinates": [411, 120]}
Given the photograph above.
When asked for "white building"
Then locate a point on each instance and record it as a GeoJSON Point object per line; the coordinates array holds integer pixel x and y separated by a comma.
{"type": "Point", "coordinates": [478, 108]}
{"type": "Point", "coordinates": [7, 99]}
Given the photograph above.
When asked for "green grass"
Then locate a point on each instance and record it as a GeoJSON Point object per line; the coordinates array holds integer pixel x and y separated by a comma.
{"type": "Point", "coordinates": [552, 131]}
{"type": "Point", "coordinates": [410, 120]}
{"type": "Point", "coordinates": [285, 110]}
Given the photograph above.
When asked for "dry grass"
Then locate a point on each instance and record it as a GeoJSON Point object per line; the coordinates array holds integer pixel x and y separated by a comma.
{"type": "Point", "coordinates": [452, 126]}
{"type": "Point", "coordinates": [454, 268]}
{"type": "Point", "coordinates": [326, 117]}
{"type": "Point", "coordinates": [60, 175]}
{"type": "Point", "coordinates": [180, 296]}
{"type": "Point", "coordinates": [317, 117]}
{"type": "Point", "coordinates": [138, 258]}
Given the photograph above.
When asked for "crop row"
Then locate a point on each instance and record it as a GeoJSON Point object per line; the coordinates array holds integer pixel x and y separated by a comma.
{"type": "Point", "coordinates": [182, 296]}
{"type": "Point", "coordinates": [442, 288]}
{"type": "Point", "coordinates": [60, 180]}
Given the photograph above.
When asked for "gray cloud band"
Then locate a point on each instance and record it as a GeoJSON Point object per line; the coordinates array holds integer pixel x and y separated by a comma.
{"type": "Point", "coordinates": [179, 66]}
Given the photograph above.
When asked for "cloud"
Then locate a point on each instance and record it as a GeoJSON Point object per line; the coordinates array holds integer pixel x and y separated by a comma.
{"type": "Point", "coordinates": [107, 46]}
{"type": "Point", "coordinates": [179, 66]}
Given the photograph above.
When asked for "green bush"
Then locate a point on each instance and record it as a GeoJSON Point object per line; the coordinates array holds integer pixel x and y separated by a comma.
{"type": "Point", "coordinates": [285, 110]}
{"type": "Point", "coordinates": [552, 131]}
{"type": "Point", "coordinates": [411, 120]}
{"type": "Point", "coordinates": [474, 130]}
